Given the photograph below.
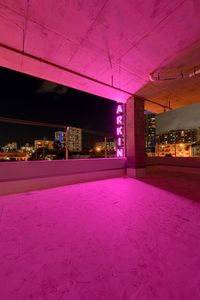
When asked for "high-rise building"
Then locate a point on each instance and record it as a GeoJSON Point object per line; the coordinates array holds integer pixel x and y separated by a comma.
{"type": "Point", "coordinates": [179, 136]}
{"type": "Point", "coordinates": [150, 132]}
{"type": "Point", "coordinates": [60, 139]}
{"type": "Point", "coordinates": [72, 136]}
{"type": "Point", "coordinates": [74, 139]}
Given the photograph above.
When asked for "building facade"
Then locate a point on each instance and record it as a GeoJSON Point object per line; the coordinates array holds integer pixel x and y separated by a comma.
{"type": "Point", "coordinates": [48, 144]}
{"type": "Point", "coordinates": [178, 136]}
{"type": "Point", "coordinates": [10, 147]}
{"type": "Point", "coordinates": [60, 139]}
{"type": "Point", "coordinates": [150, 133]}
{"type": "Point", "coordinates": [108, 145]}
{"type": "Point", "coordinates": [177, 143]}
{"type": "Point", "coordinates": [74, 139]}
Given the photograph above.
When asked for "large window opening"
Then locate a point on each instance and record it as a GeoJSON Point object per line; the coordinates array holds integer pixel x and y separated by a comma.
{"type": "Point", "coordinates": [174, 133]}
{"type": "Point", "coordinates": [42, 120]}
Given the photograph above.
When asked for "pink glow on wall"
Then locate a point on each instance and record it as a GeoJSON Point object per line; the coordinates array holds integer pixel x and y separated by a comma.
{"type": "Point", "coordinates": [120, 130]}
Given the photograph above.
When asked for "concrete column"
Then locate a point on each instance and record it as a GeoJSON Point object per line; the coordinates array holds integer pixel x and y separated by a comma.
{"type": "Point", "coordinates": [135, 147]}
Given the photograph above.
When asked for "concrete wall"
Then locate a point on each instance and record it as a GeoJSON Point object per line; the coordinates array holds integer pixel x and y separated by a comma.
{"type": "Point", "coordinates": [26, 176]}
{"type": "Point", "coordinates": [177, 164]}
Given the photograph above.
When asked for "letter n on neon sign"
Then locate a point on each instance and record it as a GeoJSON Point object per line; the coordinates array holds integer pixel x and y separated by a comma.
{"type": "Point", "coordinates": [120, 152]}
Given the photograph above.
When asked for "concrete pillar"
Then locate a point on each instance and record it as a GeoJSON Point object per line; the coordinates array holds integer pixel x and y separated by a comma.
{"type": "Point", "coordinates": [135, 147]}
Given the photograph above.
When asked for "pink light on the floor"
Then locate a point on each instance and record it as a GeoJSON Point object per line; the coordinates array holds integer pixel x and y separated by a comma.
{"type": "Point", "coordinates": [90, 241]}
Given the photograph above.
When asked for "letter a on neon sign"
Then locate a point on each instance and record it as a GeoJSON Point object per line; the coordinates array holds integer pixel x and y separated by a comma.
{"type": "Point", "coordinates": [119, 109]}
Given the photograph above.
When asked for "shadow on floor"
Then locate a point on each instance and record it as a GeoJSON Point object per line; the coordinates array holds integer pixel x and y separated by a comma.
{"type": "Point", "coordinates": [183, 184]}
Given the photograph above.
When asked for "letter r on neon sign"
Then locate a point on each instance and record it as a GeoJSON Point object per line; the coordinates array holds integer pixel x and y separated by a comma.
{"type": "Point", "coordinates": [119, 120]}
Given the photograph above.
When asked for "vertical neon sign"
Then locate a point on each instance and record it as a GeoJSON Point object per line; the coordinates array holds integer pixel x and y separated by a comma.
{"type": "Point", "coordinates": [120, 130]}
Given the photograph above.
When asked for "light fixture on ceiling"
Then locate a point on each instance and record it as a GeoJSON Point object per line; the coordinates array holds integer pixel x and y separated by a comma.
{"type": "Point", "coordinates": [156, 77]}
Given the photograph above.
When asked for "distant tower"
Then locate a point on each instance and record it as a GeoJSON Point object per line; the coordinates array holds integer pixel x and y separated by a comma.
{"type": "Point", "coordinates": [150, 132]}
{"type": "Point", "coordinates": [60, 139]}
{"type": "Point", "coordinates": [74, 139]}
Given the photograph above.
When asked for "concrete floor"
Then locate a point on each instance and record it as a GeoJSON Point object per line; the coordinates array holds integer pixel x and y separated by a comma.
{"type": "Point", "coordinates": [115, 239]}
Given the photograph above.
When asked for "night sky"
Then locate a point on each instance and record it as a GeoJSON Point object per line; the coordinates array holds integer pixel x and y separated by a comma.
{"type": "Point", "coordinates": [26, 97]}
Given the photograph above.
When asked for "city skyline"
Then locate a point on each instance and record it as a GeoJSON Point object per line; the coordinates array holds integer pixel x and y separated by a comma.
{"type": "Point", "coordinates": [26, 97]}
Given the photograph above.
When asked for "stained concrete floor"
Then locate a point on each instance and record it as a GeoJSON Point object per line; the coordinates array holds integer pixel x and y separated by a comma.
{"type": "Point", "coordinates": [115, 239]}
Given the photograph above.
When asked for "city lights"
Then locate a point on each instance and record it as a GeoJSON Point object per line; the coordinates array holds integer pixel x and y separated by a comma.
{"type": "Point", "coordinates": [98, 149]}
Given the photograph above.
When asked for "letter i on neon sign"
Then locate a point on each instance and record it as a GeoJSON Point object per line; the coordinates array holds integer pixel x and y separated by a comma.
{"type": "Point", "coordinates": [119, 141]}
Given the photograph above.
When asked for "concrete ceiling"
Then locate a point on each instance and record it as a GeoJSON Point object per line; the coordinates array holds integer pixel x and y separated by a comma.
{"type": "Point", "coordinates": [106, 47]}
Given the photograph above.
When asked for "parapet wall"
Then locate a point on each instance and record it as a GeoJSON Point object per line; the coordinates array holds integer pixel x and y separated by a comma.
{"type": "Point", "coordinates": [176, 164]}
{"type": "Point", "coordinates": [31, 175]}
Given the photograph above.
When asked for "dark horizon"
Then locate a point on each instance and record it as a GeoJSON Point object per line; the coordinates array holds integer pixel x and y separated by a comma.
{"type": "Point", "coordinates": [29, 98]}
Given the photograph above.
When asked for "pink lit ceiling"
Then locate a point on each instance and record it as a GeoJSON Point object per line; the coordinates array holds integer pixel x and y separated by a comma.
{"type": "Point", "coordinates": [106, 47]}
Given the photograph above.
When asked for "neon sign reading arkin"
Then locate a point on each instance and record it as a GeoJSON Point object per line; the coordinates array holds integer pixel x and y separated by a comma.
{"type": "Point", "coordinates": [120, 130]}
